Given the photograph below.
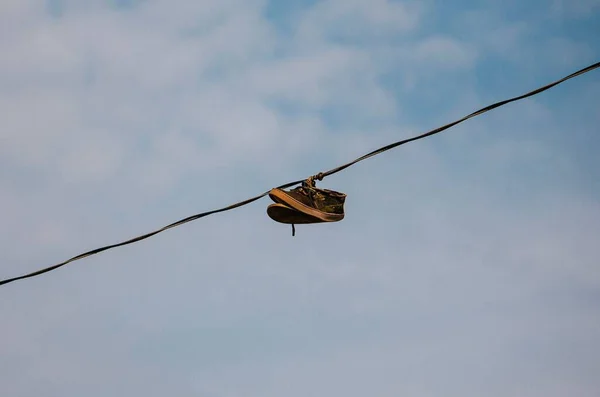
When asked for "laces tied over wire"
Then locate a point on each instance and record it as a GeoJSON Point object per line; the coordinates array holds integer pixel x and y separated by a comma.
{"type": "Point", "coordinates": [309, 182]}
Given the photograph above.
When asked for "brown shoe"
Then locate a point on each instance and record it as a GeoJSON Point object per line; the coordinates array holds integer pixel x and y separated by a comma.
{"type": "Point", "coordinates": [320, 205]}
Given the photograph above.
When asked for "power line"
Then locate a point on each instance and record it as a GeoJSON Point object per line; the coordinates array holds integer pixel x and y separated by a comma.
{"type": "Point", "coordinates": [318, 176]}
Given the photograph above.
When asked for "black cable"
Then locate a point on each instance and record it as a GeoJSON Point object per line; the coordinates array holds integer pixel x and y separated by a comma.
{"type": "Point", "coordinates": [445, 127]}
{"type": "Point", "coordinates": [318, 176]}
{"type": "Point", "coordinates": [145, 236]}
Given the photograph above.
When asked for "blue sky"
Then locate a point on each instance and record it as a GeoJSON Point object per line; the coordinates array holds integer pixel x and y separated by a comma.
{"type": "Point", "coordinates": [466, 264]}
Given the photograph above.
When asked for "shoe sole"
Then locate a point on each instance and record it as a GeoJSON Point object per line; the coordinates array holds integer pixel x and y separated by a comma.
{"type": "Point", "coordinates": [281, 197]}
{"type": "Point", "coordinates": [283, 214]}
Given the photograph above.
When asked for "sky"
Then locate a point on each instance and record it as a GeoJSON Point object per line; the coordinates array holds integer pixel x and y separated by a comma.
{"type": "Point", "coordinates": [466, 264]}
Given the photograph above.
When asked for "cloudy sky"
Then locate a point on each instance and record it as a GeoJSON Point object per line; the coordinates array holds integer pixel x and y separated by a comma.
{"type": "Point", "coordinates": [467, 264]}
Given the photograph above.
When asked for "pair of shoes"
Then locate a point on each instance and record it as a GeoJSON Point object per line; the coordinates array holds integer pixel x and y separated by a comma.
{"type": "Point", "coordinates": [306, 204]}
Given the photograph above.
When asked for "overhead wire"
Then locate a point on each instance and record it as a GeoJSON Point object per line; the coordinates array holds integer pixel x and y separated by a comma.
{"type": "Point", "coordinates": [318, 176]}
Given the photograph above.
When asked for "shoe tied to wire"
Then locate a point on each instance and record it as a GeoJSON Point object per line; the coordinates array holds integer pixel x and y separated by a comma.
{"type": "Point", "coordinates": [306, 204]}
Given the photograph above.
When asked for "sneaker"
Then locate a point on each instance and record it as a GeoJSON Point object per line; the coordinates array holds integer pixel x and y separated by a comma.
{"type": "Point", "coordinates": [316, 205]}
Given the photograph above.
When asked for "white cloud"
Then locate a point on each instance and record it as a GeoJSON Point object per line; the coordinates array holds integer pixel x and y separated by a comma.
{"type": "Point", "coordinates": [356, 20]}
{"type": "Point", "coordinates": [444, 52]}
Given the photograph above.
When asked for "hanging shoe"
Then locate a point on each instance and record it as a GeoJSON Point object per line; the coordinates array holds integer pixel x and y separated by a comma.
{"type": "Point", "coordinates": [316, 205]}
